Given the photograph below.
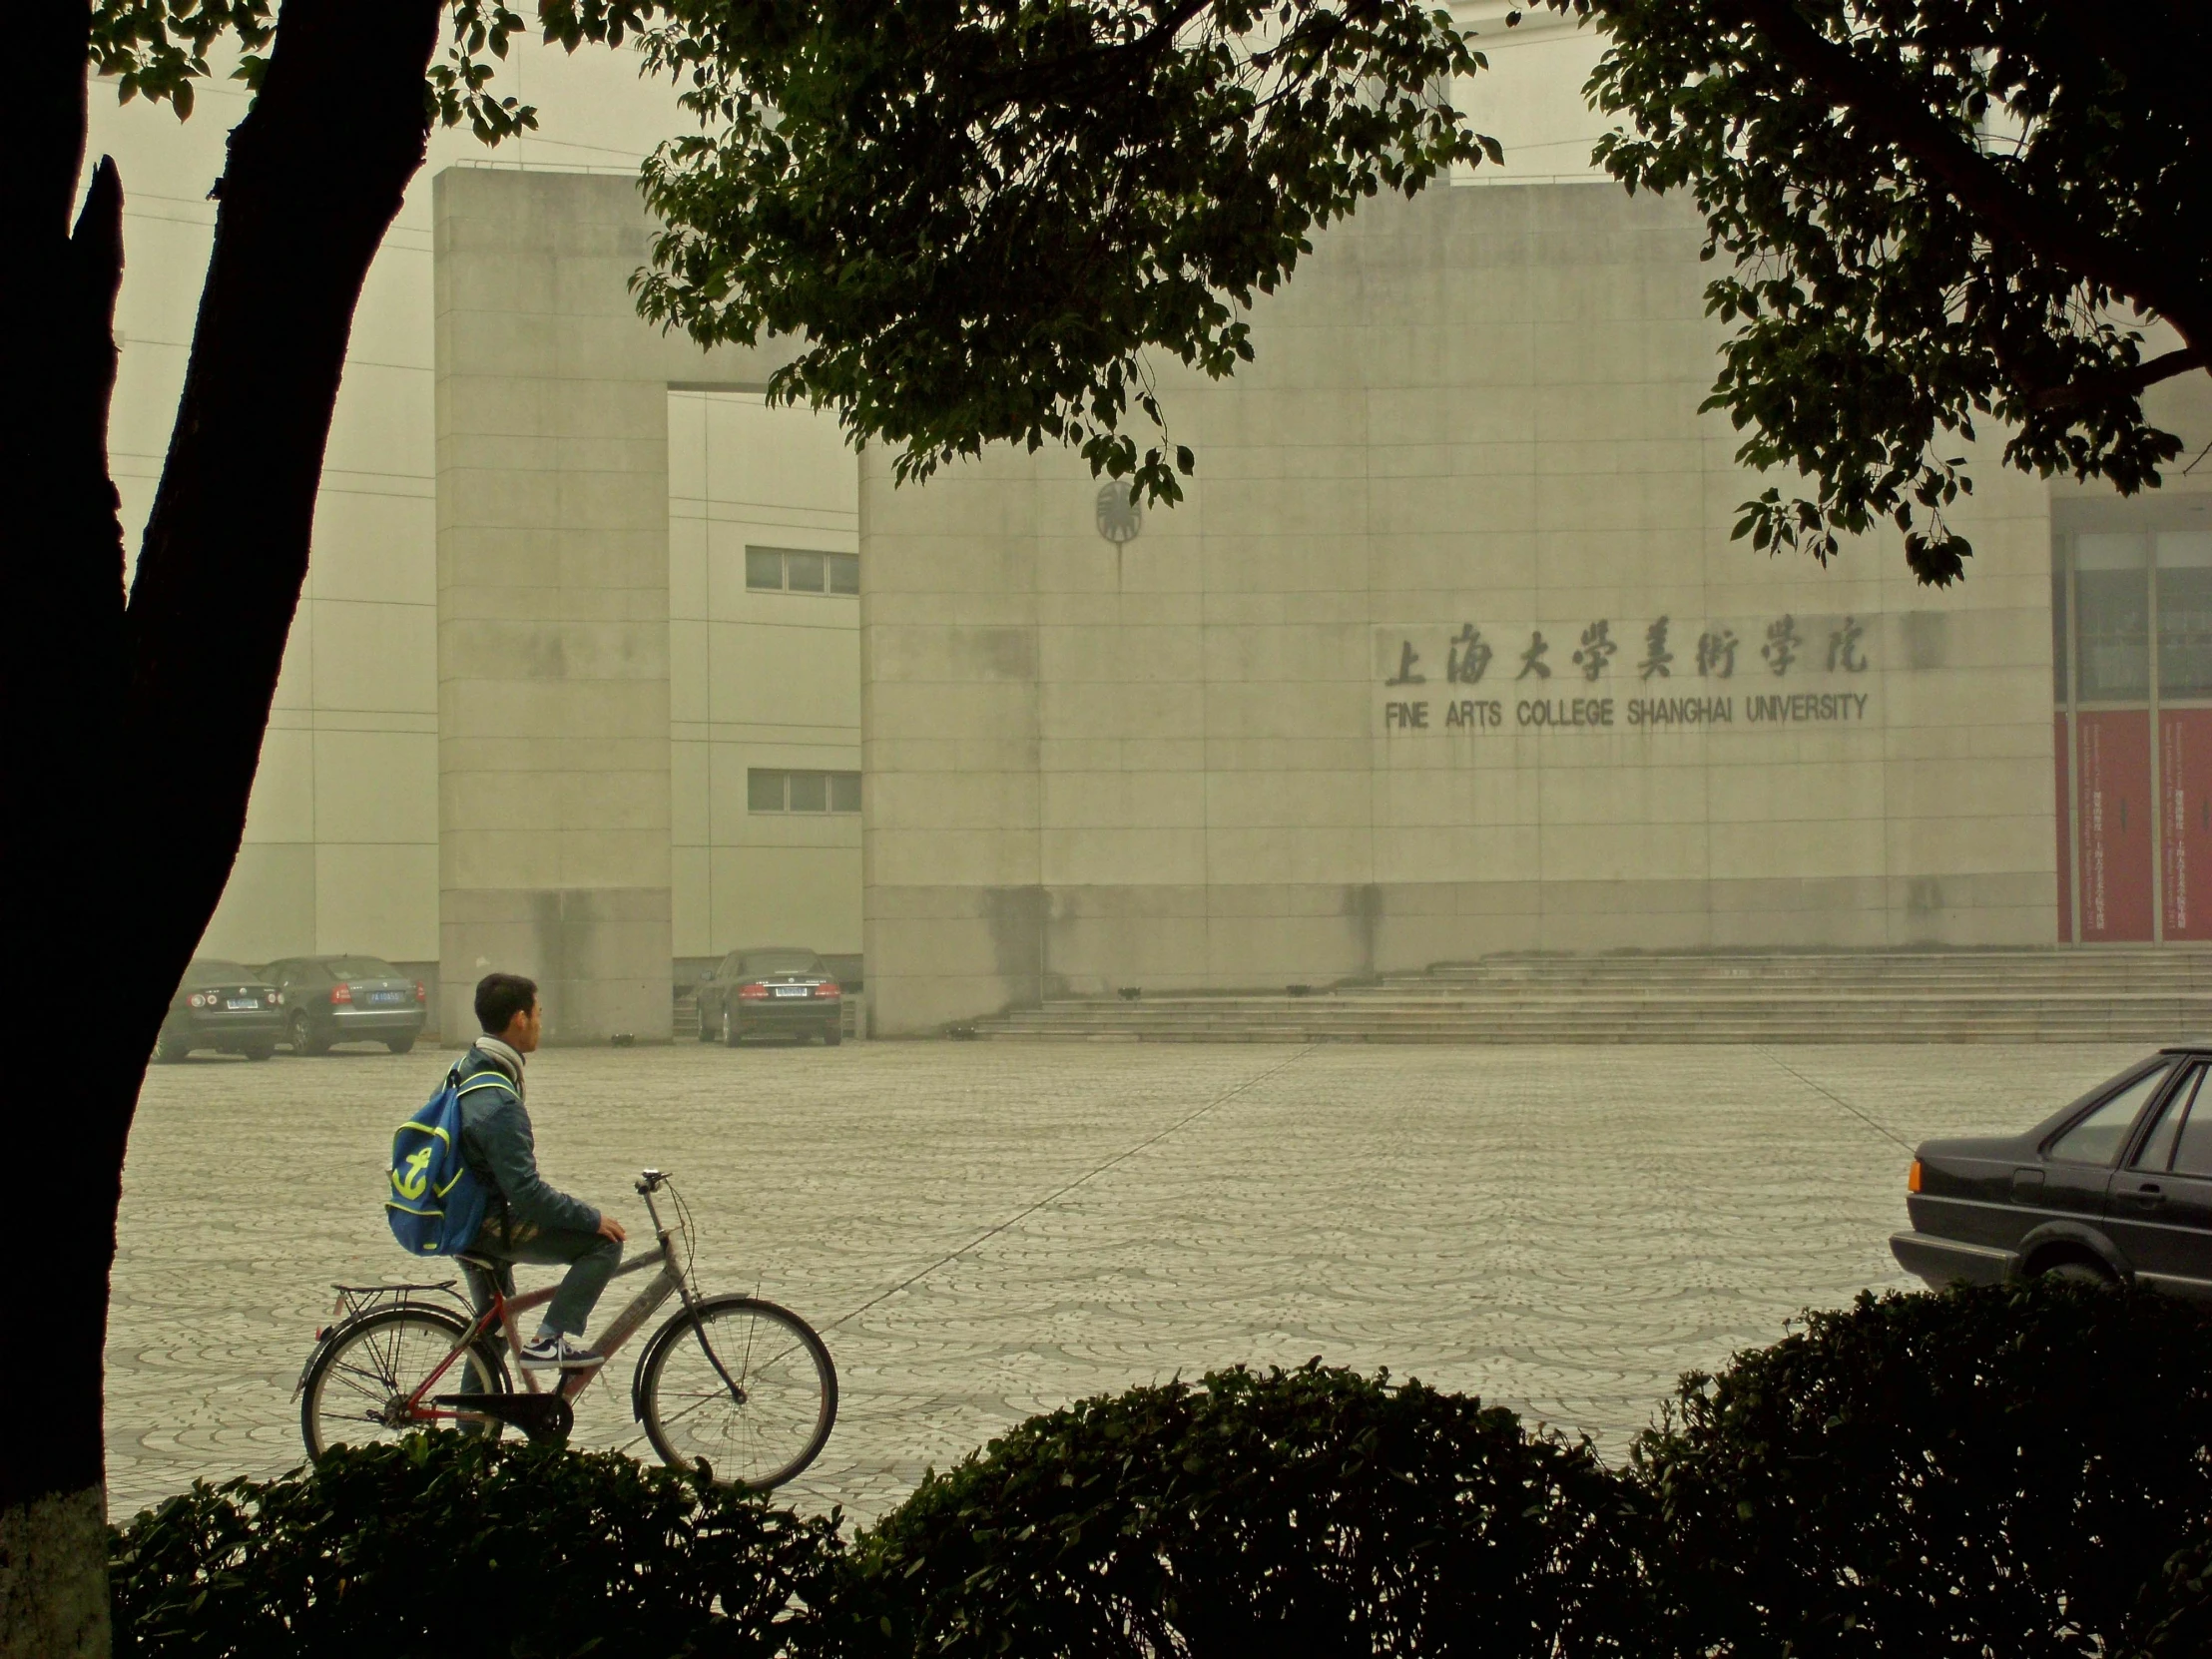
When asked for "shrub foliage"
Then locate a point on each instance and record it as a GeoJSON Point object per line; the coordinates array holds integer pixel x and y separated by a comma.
{"type": "Point", "coordinates": [1313, 1511]}
{"type": "Point", "coordinates": [2023, 1472]}
{"type": "Point", "coordinates": [449, 1545]}
{"type": "Point", "coordinates": [2004, 1472]}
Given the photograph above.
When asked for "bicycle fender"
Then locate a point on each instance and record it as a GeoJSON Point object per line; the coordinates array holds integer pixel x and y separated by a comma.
{"type": "Point", "coordinates": [667, 1334]}
{"type": "Point", "coordinates": [339, 1327]}
{"type": "Point", "coordinates": [678, 1323]}
{"type": "Point", "coordinates": [313, 1354]}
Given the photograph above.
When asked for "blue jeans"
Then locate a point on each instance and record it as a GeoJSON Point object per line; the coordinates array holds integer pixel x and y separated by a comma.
{"type": "Point", "coordinates": [591, 1260]}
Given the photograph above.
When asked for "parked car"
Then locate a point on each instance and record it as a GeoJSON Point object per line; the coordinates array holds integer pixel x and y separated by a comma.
{"type": "Point", "coordinates": [226, 1006]}
{"type": "Point", "coordinates": [349, 999]}
{"type": "Point", "coordinates": [2119, 1186]}
{"type": "Point", "coordinates": [772, 990]}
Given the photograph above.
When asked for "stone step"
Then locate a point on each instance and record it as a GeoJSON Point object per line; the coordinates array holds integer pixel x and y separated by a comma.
{"type": "Point", "coordinates": [2192, 965]}
{"type": "Point", "coordinates": [1630, 1003]}
{"type": "Point", "coordinates": [2145, 997]}
{"type": "Point", "coordinates": [2149, 1032]}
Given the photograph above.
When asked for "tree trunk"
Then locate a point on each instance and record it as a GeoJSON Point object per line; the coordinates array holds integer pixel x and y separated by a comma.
{"type": "Point", "coordinates": [130, 733]}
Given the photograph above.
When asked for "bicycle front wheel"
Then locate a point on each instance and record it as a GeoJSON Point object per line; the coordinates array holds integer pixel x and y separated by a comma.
{"type": "Point", "coordinates": [356, 1390]}
{"type": "Point", "coordinates": [767, 1421]}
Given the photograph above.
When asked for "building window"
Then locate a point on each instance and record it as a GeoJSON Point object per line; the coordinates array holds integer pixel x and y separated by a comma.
{"type": "Point", "coordinates": [2184, 614]}
{"type": "Point", "coordinates": [778, 790]}
{"type": "Point", "coordinates": [797, 570]}
{"type": "Point", "coordinates": [2112, 592]}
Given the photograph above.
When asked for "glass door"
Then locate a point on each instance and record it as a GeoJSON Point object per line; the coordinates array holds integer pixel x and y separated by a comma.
{"type": "Point", "coordinates": [2131, 622]}
{"type": "Point", "coordinates": [2182, 573]}
{"type": "Point", "coordinates": [2113, 866]}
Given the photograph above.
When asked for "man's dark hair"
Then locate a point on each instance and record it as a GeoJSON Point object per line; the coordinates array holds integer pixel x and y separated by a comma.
{"type": "Point", "coordinates": [501, 996]}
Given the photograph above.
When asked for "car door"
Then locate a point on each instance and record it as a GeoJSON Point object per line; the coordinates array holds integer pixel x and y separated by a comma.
{"type": "Point", "coordinates": [2068, 1193]}
{"type": "Point", "coordinates": [2161, 1210]}
{"type": "Point", "coordinates": [278, 973]}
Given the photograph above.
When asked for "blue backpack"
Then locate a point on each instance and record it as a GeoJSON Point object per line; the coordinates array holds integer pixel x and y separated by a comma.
{"type": "Point", "coordinates": [435, 1203]}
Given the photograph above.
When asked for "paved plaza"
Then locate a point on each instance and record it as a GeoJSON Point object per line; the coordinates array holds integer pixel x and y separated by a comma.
{"type": "Point", "coordinates": [1560, 1230]}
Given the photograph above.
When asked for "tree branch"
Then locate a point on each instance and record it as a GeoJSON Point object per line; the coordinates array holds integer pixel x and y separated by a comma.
{"type": "Point", "coordinates": [2109, 385]}
{"type": "Point", "coordinates": [1972, 178]}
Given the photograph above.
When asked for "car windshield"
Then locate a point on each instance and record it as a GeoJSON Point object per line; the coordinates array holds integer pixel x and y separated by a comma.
{"type": "Point", "coordinates": [362, 967]}
{"type": "Point", "coordinates": [238, 974]}
{"type": "Point", "coordinates": [781, 961]}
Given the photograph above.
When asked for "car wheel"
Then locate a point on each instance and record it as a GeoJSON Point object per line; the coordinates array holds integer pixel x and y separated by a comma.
{"type": "Point", "coordinates": [171, 1048]}
{"type": "Point", "coordinates": [731, 1032]}
{"type": "Point", "coordinates": [400, 1045]}
{"type": "Point", "coordinates": [259, 1051]}
{"type": "Point", "coordinates": [831, 1038]}
{"type": "Point", "coordinates": [303, 1039]}
{"type": "Point", "coordinates": [2077, 1273]}
{"type": "Point", "coordinates": [707, 1027]}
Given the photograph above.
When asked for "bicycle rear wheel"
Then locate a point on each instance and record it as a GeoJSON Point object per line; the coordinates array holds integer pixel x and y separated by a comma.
{"type": "Point", "coordinates": [356, 1389]}
{"type": "Point", "coordinates": [779, 1420]}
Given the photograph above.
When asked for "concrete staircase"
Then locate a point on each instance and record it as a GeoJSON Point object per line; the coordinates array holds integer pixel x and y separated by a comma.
{"type": "Point", "coordinates": [2133, 994]}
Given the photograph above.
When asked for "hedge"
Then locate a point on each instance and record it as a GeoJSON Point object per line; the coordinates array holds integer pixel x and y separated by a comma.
{"type": "Point", "coordinates": [2017, 1471]}
{"type": "Point", "coordinates": [2005, 1470]}
{"type": "Point", "coordinates": [449, 1546]}
{"type": "Point", "coordinates": [1313, 1511]}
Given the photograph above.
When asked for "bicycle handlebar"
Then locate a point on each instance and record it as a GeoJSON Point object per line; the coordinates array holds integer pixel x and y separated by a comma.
{"type": "Point", "coordinates": [651, 1181]}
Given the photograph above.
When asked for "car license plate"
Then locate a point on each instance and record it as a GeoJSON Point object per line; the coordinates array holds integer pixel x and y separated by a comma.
{"type": "Point", "coordinates": [793, 991]}
{"type": "Point", "coordinates": [387, 996]}
{"type": "Point", "coordinates": [243, 1002]}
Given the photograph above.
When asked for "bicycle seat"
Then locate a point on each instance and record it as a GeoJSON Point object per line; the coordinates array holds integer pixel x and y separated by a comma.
{"type": "Point", "coordinates": [488, 1264]}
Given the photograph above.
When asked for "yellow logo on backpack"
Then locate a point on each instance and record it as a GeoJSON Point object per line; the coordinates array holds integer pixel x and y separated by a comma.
{"type": "Point", "coordinates": [414, 1183]}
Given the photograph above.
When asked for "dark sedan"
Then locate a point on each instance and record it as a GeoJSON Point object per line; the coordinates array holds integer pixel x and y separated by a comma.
{"type": "Point", "coordinates": [349, 999]}
{"type": "Point", "coordinates": [2119, 1186]}
{"type": "Point", "coordinates": [226, 1006]}
{"type": "Point", "coordinates": [778, 992]}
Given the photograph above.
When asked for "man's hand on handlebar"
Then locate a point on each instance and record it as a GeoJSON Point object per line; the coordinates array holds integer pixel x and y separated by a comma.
{"type": "Point", "coordinates": [609, 1228]}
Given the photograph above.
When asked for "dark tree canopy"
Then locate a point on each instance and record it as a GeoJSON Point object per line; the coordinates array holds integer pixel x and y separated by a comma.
{"type": "Point", "coordinates": [982, 214]}
{"type": "Point", "coordinates": [1935, 212]}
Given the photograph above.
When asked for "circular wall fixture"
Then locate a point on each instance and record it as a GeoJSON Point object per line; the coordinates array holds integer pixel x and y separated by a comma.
{"type": "Point", "coordinates": [1120, 517]}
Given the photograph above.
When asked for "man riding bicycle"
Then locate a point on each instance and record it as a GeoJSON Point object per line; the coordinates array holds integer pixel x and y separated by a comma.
{"type": "Point", "coordinates": [526, 1220]}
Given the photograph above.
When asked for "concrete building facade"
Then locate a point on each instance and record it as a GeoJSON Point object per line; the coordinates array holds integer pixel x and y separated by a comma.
{"type": "Point", "coordinates": [554, 609]}
{"type": "Point", "coordinates": [1451, 651]}
{"type": "Point", "coordinates": [763, 680]}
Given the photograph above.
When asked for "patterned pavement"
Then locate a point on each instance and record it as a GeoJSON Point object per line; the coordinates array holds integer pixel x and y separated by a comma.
{"type": "Point", "coordinates": [1561, 1230]}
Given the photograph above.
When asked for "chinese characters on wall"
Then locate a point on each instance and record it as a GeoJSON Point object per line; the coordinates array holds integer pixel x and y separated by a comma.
{"type": "Point", "coordinates": [1661, 674]}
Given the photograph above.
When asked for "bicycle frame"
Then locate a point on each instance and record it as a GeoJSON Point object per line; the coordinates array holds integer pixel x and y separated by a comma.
{"type": "Point", "coordinates": [672, 1279]}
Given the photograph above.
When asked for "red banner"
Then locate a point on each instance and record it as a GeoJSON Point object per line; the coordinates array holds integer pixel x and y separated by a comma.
{"type": "Point", "coordinates": [2066, 837]}
{"type": "Point", "coordinates": [2185, 821]}
{"type": "Point", "coordinates": [2114, 783]}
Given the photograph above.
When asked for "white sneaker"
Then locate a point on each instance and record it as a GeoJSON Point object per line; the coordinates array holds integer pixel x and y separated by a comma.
{"type": "Point", "coordinates": [557, 1352]}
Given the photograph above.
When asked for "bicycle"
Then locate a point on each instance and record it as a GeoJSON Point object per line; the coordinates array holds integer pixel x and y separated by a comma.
{"type": "Point", "coordinates": [730, 1383]}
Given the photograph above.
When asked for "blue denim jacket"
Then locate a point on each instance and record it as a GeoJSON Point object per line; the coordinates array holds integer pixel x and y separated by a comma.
{"type": "Point", "coordinates": [498, 1145]}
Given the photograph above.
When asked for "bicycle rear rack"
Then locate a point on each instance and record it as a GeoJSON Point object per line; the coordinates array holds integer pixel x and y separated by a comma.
{"type": "Point", "coordinates": [356, 1300]}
